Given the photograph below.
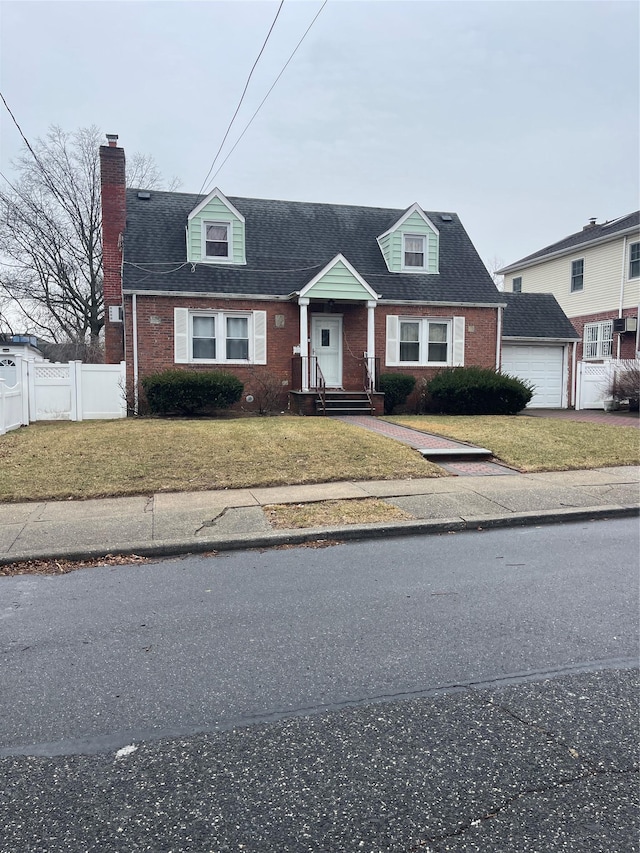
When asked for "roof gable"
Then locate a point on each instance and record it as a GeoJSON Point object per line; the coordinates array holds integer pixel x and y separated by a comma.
{"type": "Point", "coordinates": [415, 208]}
{"type": "Point", "coordinates": [215, 193]}
{"type": "Point", "coordinates": [339, 280]}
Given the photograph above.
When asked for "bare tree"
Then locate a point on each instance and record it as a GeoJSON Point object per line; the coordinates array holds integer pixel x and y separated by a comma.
{"type": "Point", "coordinates": [493, 264]}
{"type": "Point", "coordinates": [51, 239]}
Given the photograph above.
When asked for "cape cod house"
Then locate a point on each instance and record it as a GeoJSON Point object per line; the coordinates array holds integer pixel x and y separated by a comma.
{"type": "Point", "coordinates": [320, 298]}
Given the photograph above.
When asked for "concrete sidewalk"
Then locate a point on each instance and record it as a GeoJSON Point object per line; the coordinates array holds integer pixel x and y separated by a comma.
{"type": "Point", "coordinates": [172, 523]}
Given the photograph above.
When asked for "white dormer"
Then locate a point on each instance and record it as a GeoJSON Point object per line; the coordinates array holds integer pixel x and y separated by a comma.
{"type": "Point", "coordinates": [411, 244]}
{"type": "Point", "coordinates": [216, 232]}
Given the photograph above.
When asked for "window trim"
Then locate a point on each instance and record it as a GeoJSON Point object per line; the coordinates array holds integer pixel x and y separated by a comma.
{"type": "Point", "coordinates": [633, 261]}
{"type": "Point", "coordinates": [425, 250]}
{"type": "Point", "coordinates": [220, 331]}
{"type": "Point", "coordinates": [575, 276]}
{"type": "Point", "coordinates": [518, 279]}
{"type": "Point", "coordinates": [424, 324]}
{"type": "Point", "coordinates": [599, 341]}
{"type": "Point", "coordinates": [217, 259]}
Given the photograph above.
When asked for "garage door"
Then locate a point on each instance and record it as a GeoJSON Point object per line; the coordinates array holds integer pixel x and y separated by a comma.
{"type": "Point", "coordinates": [542, 366]}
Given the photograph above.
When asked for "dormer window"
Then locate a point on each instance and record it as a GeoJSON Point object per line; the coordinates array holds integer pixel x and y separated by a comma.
{"type": "Point", "coordinates": [414, 251]}
{"type": "Point", "coordinates": [217, 239]}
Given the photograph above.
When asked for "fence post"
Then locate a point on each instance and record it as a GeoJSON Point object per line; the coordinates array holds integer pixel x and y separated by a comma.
{"type": "Point", "coordinates": [2, 407]}
{"type": "Point", "coordinates": [123, 383]}
{"type": "Point", "coordinates": [75, 367]}
{"type": "Point", "coordinates": [33, 411]}
{"type": "Point", "coordinates": [24, 390]}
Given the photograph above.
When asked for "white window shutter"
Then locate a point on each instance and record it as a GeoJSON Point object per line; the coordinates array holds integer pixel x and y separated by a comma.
{"type": "Point", "coordinates": [180, 335]}
{"type": "Point", "coordinates": [260, 337]}
{"type": "Point", "coordinates": [392, 340]}
{"type": "Point", "coordinates": [458, 341]}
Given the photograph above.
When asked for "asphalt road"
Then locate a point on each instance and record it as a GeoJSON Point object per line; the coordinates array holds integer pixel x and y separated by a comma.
{"type": "Point", "coordinates": [465, 692]}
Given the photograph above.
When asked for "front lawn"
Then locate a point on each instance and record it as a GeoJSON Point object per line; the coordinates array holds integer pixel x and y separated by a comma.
{"type": "Point", "coordinates": [537, 444]}
{"type": "Point", "coordinates": [128, 457]}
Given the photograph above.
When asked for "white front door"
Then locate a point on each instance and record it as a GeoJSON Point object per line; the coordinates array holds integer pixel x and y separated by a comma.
{"type": "Point", "coordinates": [326, 345]}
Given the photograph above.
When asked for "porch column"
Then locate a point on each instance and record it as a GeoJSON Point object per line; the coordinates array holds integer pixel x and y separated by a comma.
{"type": "Point", "coordinates": [371, 337]}
{"type": "Point", "coordinates": [303, 302]}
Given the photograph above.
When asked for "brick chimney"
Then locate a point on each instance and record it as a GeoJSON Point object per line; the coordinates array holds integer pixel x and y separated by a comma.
{"type": "Point", "coordinates": [114, 217]}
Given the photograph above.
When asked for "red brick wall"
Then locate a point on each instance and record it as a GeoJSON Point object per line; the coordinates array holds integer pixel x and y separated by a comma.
{"type": "Point", "coordinates": [156, 348]}
{"type": "Point", "coordinates": [628, 341]}
{"type": "Point", "coordinates": [114, 214]}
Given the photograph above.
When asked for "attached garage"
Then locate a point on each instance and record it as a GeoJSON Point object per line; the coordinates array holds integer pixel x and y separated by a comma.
{"type": "Point", "coordinates": [542, 366]}
{"type": "Point", "coordinates": [537, 342]}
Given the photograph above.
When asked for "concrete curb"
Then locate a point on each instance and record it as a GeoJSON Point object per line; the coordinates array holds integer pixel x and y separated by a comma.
{"type": "Point", "coordinates": [350, 533]}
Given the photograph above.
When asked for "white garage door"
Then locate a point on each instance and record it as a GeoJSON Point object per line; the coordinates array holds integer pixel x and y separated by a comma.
{"type": "Point", "coordinates": [542, 366]}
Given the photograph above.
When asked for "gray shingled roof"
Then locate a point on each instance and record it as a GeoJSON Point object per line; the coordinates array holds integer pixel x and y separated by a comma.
{"type": "Point", "coordinates": [287, 243]}
{"type": "Point", "coordinates": [590, 234]}
{"type": "Point", "coordinates": [535, 315]}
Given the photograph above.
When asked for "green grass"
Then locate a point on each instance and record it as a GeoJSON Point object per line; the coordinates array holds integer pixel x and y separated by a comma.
{"type": "Point", "coordinates": [128, 457]}
{"type": "Point", "coordinates": [537, 444]}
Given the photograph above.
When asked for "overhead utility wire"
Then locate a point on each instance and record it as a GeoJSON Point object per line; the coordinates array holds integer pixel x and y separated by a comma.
{"type": "Point", "coordinates": [295, 50]}
{"type": "Point", "coordinates": [244, 92]}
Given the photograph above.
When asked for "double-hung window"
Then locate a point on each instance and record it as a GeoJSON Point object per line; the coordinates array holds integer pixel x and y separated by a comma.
{"type": "Point", "coordinates": [216, 240]}
{"type": "Point", "coordinates": [598, 340]}
{"type": "Point", "coordinates": [634, 260]}
{"type": "Point", "coordinates": [414, 251]}
{"type": "Point", "coordinates": [516, 284]}
{"type": "Point", "coordinates": [423, 341]}
{"type": "Point", "coordinates": [219, 337]}
{"type": "Point", "coordinates": [577, 275]}
{"type": "Point", "coordinates": [215, 336]}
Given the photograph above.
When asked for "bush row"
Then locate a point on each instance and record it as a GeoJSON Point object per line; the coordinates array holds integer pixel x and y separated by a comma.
{"type": "Point", "coordinates": [185, 392]}
{"type": "Point", "coordinates": [460, 391]}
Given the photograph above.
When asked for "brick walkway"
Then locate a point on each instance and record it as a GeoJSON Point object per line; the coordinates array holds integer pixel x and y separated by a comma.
{"type": "Point", "coordinates": [418, 440]}
{"type": "Point", "coordinates": [412, 437]}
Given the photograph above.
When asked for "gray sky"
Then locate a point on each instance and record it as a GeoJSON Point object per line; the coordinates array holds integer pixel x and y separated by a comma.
{"type": "Point", "coordinates": [520, 116]}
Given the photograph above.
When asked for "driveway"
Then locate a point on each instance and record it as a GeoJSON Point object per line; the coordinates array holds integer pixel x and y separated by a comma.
{"type": "Point", "coordinates": [622, 417]}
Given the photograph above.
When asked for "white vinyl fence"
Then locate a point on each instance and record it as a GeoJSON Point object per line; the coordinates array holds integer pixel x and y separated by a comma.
{"type": "Point", "coordinates": [594, 380]}
{"type": "Point", "coordinates": [68, 392]}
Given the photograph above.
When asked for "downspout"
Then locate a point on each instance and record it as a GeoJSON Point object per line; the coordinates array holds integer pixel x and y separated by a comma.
{"type": "Point", "coordinates": [622, 280]}
{"type": "Point", "coordinates": [134, 320]}
{"type": "Point", "coordinates": [499, 339]}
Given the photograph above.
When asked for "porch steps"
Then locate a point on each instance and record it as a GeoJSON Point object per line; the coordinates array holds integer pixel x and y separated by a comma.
{"type": "Point", "coordinates": [345, 403]}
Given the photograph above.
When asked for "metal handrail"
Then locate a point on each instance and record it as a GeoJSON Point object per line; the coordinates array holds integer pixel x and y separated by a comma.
{"type": "Point", "coordinates": [320, 384]}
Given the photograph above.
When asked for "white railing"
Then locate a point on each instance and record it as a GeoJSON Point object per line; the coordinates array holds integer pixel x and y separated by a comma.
{"type": "Point", "coordinates": [595, 380]}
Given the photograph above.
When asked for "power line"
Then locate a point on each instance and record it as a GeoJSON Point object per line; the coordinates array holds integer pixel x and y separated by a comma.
{"type": "Point", "coordinates": [244, 92]}
{"type": "Point", "coordinates": [26, 141]}
{"type": "Point", "coordinates": [295, 50]}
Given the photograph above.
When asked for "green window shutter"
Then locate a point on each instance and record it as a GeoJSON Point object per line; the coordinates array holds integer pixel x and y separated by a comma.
{"type": "Point", "coordinates": [392, 340]}
{"type": "Point", "coordinates": [458, 341]}
{"type": "Point", "coordinates": [260, 337]}
{"type": "Point", "coordinates": [180, 335]}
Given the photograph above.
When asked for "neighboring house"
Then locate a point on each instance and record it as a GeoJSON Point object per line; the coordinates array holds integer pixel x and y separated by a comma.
{"type": "Point", "coordinates": [595, 276]}
{"type": "Point", "coordinates": [538, 345]}
{"type": "Point", "coordinates": [24, 346]}
{"type": "Point", "coordinates": [313, 297]}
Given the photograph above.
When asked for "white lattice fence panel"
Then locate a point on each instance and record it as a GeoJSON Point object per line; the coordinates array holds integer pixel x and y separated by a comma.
{"type": "Point", "coordinates": [51, 392]}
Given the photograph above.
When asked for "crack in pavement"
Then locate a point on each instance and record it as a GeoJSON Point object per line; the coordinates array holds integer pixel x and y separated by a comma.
{"type": "Point", "coordinates": [212, 522]}
{"type": "Point", "coordinates": [509, 801]}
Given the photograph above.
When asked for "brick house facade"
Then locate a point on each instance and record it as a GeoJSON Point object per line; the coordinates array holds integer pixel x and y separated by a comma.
{"type": "Point", "coordinates": [310, 295]}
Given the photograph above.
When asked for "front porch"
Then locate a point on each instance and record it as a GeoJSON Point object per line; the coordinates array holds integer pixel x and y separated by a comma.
{"type": "Point", "coordinates": [334, 368]}
{"type": "Point", "coordinates": [311, 395]}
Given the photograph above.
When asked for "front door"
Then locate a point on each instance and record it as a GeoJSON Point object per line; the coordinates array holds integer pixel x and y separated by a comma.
{"type": "Point", "coordinates": [326, 345]}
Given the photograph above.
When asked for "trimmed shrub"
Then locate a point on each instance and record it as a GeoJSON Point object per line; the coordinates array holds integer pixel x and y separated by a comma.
{"type": "Point", "coordinates": [477, 391]}
{"type": "Point", "coordinates": [187, 392]}
{"type": "Point", "coordinates": [396, 388]}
